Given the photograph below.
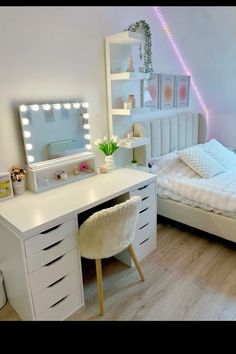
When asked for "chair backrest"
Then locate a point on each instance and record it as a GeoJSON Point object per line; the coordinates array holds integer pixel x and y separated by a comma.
{"type": "Point", "coordinates": [109, 231]}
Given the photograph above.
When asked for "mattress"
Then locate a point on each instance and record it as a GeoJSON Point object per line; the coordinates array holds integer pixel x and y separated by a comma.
{"type": "Point", "coordinates": [175, 180]}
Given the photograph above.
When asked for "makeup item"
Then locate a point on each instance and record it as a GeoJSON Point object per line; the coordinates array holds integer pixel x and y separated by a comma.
{"type": "Point", "coordinates": [64, 176]}
{"type": "Point", "coordinates": [131, 101]}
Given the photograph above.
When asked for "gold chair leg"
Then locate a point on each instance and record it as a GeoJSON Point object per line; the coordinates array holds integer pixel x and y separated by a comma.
{"type": "Point", "coordinates": [137, 265]}
{"type": "Point", "coordinates": [99, 284]}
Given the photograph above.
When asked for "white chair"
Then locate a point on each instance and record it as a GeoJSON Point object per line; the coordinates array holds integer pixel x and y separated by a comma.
{"type": "Point", "coordinates": [108, 232]}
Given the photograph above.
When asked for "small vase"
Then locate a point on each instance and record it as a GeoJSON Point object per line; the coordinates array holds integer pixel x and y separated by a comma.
{"type": "Point", "coordinates": [19, 187]}
{"type": "Point", "coordinates": [109, 162]}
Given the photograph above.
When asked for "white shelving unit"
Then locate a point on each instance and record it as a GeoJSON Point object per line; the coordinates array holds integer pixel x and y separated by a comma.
{"type": "Point", "coordinates": [120, 85]}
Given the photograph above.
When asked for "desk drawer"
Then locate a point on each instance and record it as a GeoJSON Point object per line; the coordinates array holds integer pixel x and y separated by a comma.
{"type": "Point", "coordinates": [49, 237]}
{"type": "Point", "coordinates": [143, 233]}
{"type": "Point", "coordinates": [148, 245]}
{"type": "Point", "coordinates": [146, 216]}
{"type": "Point", "coordinates": [57, 291]}
{"type": "Point", "coordinates": [144, 191]}
{"type": "Point", "coordinates": [53, 271]}
{"type": "Point", "coordinates": [62, 309]}
{"type": "Point", "coordinates": [48, 254]}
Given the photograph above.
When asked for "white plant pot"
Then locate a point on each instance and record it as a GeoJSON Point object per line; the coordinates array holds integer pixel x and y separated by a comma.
{"type": "Point", "coordinates": [109, 162]}
{"type": "Point", "coordinates": [134, 165]}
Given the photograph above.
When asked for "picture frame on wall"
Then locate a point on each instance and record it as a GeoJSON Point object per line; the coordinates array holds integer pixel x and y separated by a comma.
{"type": "Point", "coordinates": [167, 91]}
{"type": "Point", "coordinates": [6, 190]}
{"type": "Point", "coordinates": [150, 92]}
{"type": "Point", "coordinates": [182, 90]}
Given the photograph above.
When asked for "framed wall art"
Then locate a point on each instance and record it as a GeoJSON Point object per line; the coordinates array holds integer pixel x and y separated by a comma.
{"type": "Point", "coordinates": [6, 191]}
{"type": "Point", "coordinates": [150, 92]}
{"type": "Point", "coordinates": [167, 91]}
{"type": "Point", "coordinates": [182, 90]}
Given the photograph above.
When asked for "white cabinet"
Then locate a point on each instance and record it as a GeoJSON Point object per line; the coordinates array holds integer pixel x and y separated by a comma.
{"type": "Point", "coordinates": [146, 232]}
{"type": "Point", "coordinates": [49, 268]}
{"type": "Point", "coordinates": [121, 84]}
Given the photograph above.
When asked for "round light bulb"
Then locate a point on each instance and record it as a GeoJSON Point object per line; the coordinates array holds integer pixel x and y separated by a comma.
{"type": "Point", "coordinates": [88, 146]}
{"type": "Point", "coordinates": [57, 106]}
{"type": "Point", "coordinates": [67, 105]}
{"type": "Point", "coordinates": [30, 158]}
{"type": "Point", "coordinates": [85, 104]}
{"type": "Point", "coordinates": [35, 107]}
{"type": "Point", "coordinates": [27, 134]}
{"type": "Point", "coordinates": [46, 107]}
{"type": "Point", "coordinates": [76, 105]}
{"type": "Point", "coordinates": [86, 126]}
{"type": "Point", "coordinates": [25, 121]}
{"type": "Point", "coordinates": [87, 136]}
{"type": "Point", "coordinates": [23, 108]}
{"type": "Point", "coordinates": [86, 115]}
{"type": "Point", "coordinates": [29, 146]}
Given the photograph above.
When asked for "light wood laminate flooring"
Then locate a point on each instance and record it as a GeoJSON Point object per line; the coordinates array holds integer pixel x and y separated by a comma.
{"type": "Point", "coordinates": [190, 276]}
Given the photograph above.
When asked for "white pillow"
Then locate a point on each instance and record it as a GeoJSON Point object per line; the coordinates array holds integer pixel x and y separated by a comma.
{"type": "Point", "coordinates": [220, 153]}
{"type": "Point", "coordinates": [200, 162]}
{"type": "Point", "coordinates": [164, 160]}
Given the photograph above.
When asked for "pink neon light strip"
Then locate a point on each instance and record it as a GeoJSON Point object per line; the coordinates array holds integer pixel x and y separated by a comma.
{"type": "Point", "coordinates": [181, 60]}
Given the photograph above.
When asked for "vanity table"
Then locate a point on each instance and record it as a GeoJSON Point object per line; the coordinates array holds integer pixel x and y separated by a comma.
{"type": "Point", "coordinates": [39, 255]}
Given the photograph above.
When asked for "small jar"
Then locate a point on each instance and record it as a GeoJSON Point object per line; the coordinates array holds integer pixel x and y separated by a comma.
{"type": "Point", "coordinates": [131, 101]}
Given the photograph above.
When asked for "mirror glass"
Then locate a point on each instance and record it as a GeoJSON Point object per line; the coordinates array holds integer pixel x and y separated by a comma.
{"type": "Point", "coordinates": [54, 130]}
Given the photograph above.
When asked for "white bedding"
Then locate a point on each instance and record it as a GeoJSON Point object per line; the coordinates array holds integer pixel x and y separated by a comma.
{"type": "Point", "coordinates": [177, 181]}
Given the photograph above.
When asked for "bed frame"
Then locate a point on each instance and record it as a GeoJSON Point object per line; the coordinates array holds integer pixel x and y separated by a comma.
{"type": "Point", "coordinates": [177, 132]}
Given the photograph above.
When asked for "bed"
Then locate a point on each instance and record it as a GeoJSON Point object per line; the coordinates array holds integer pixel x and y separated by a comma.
{"type": "Point", "coordinates": [176, 132]}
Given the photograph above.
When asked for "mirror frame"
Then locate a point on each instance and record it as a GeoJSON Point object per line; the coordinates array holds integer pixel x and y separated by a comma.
{"type": "Point", "coordinates": [26, 134]}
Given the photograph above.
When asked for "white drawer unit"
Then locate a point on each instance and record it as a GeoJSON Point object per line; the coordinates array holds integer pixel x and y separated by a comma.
{"type": "Point", "coordinates": [146, 233]}
{"type": "Point", "coordinates": [54, 271]}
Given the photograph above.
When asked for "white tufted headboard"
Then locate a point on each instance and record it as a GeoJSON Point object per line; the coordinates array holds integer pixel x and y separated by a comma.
{"type": "Point", "coordinates": [169, 133]}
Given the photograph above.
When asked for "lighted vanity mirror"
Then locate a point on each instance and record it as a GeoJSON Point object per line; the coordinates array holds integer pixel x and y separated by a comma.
{"type": "Point", "coordinates": [54, 130]}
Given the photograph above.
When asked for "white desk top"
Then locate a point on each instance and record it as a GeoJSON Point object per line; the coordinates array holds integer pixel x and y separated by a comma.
{"type": "Point", "coordinates": [31, 213]}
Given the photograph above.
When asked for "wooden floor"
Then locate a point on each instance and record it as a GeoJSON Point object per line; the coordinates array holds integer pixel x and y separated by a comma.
{"type": "Point", "coordinates": [190, 276]}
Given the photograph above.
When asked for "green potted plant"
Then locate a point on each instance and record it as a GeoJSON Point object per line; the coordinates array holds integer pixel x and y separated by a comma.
{"type": "Point", "coordinates": [134, 163]}
{"type": "Point", "coordinates": [108, 147]}
{"type": "Point", "coordinates": [145, 50]}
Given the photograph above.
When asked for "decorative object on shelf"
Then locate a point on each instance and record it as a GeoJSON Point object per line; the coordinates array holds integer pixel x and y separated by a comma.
{"type": "Point", "coordinates": [18, 180]}
{"type": "Point", "coordinates": [58, 174]}
{"type": "Point", "coordinates": [130, 67]}
{"type": "Point", "coordinates": [145, 50]}
{"type": "Point", "coordinates": [131, 102]}
{"type": "Point", "coordinates": [134, 163]}
{"type": "Point", "coordinates": [6, 191]}
{"type": "Point", "coordinates": [108, 147]}
{"type": "Point", "coordinates": [130, 136]}
{"type": "Point", "coordinates": [64, 176]}
{"type": "Point", "coordinates": [150, 90]}
{"type": "Point", "coordinates": [167, 91]}
{"type": "Point", "coordinates": [182, 90]}
{"type": "Point", "coordinates": [84, 167]}
{"type": "Point", "coordinates": [75, 171]}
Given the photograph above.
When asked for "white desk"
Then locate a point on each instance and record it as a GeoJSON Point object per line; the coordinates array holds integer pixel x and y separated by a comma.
{"type": "Point", "coordinates": [38, 247]}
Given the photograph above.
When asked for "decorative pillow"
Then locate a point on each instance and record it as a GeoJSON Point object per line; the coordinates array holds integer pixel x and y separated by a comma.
{"type": "Point", "coordinates": [220, 153]}
{"type": "Point", "coordinates": [200, 162]}
{"type": "Point", "coordinates": [164, 160]}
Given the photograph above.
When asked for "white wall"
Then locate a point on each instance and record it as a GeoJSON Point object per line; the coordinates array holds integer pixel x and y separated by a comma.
{"type": "Point", "coordinates": [57, 53]}
{"type": "Point", "coordinates": [206, 37]}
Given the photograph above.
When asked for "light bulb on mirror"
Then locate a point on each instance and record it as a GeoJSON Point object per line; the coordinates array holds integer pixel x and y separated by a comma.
{"type": "Point", "coordinates": [85, 104]}
{"type": "Point", "coordinates": [25, 121]}
{"type": "Point", "coordinates": [30, 158]}
{"type": "Point", "coordinates": [76, 105]}
{"type": "Point", "coordinates": [23, 108]}
{"type": "Point", "coordinates": [86, 126]}
{"type": "Point", "coordinates": [29, 146]}
{"type": "Point", "coordinates": [46, 107]}
{"type": "Point", "coordinates": [67, 105]}
{"type": "Point", "coordinates": [35, 107]}
{"type": "Point", "coordinates": [57, 106]}
{"type": "Point", "coordinates": [27, 134]}
{"type": "Point", "coordinates": [88, 146]}
{"type": "Point", "coordinates": [87, 136]}
{"type": "Point", "coordinates": [86, 115]}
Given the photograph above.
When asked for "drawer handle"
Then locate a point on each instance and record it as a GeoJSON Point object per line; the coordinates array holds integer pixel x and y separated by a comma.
{"type": "Point", "coordinates": [56, 303]}
{"type": "Point", "coordinates": [55, 282]}
{"type": "Point", "coordinates": [145, 198]}
{"type": "Point", "coordinates": [141, 243]}
{"type": "Point", "coordinates": [51, 246]}
{"type": "Point", "coordinates": [55, 260]}
{"type": "Point", "coordinates": [51, 229]}
{"type": "Point", "coordinates": [142, 211]}
{"type": "Point", "coordinates": [144, 226]}
{"type": "Point", "coordinates": [143, 187]}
